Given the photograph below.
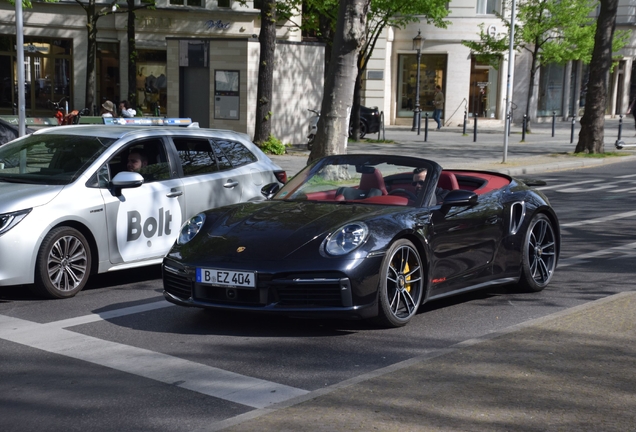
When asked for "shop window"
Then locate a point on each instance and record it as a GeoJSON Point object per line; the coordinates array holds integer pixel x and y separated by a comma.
{"type": "Point", "coordinates": [550, 90]}
{"type": "Point", "coordinates": [224, 3]}
{"type": "Point", "coordinates": [432, 73]}
{"type": "Point", "coordinates": [483, 95]}
{"type": "Point", "coordinates": [47, 66]}
{"type": "Point", "coordinates": [152, 83]}
{"type": "Point", "coordinates": [486, 7]}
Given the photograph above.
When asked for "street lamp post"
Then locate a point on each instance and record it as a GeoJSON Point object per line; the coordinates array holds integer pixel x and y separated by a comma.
{"type": "Point", "coordinates": [417, 45]}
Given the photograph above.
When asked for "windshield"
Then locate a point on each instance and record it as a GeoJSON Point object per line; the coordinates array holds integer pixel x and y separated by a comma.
{"type": "Point", "coordinates": [49, 159]}
{"type": "Point", "coordinates": [380, 180]}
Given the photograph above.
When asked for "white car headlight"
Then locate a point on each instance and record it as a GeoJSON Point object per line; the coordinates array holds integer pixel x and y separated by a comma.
{"type": "Point", "coordinates": [9, 220]}
{"type": "Point", "coordinates": [347, 238]}
{"type": "Point", "coordinates": [190, 228]}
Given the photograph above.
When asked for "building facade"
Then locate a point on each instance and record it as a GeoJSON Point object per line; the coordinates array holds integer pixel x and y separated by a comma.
{"type": "Point", "coordinates": [55, 47]}
{"type": "Point", "coordinates": [474, 89]}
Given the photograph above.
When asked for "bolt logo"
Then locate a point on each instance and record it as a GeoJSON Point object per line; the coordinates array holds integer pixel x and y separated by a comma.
{"type": "Point", "coordinates": [148, 227]}
{"type": "Point", "coordinates": [151, 225]}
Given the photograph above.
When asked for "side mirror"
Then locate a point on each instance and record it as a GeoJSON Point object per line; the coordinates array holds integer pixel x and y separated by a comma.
{"type": "Point", "coordinates": [125, 180]}
{"type": "Point", "coordinates": [269, 190]}
{"type": "Point", "coordinates": [459, 197]}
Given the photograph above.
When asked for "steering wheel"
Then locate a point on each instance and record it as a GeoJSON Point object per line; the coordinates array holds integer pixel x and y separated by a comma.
{"type": "Point", "coordinates": [409, 194]}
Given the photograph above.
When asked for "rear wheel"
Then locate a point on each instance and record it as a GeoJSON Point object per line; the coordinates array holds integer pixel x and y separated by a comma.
{"type": "Point", "coordinates": [363, 129]}
{"type": "Point", "coordinates": [539, 254]}
{"type": "Point", "coordinates": [63, 263]}
{"type": "Point", "coordinates": [401, 284]}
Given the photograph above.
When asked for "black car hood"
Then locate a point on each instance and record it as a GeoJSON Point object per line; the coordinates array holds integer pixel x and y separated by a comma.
{"type": "Point", "coordinates": [275, 229]}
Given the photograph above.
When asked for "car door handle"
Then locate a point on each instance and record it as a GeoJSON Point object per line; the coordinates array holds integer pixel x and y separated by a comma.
{"type": "Point", "coordinates": [174, 193]}
{"type": "Point", "coordinates": [230, 184]}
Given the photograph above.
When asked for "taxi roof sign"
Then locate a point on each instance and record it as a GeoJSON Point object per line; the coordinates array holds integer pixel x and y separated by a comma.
{"type": "Point", "coordinates": [147, 121]}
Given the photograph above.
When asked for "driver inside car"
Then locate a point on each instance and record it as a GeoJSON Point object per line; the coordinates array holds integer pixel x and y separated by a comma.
{"type": "Point", "coordinates": [419, 179]}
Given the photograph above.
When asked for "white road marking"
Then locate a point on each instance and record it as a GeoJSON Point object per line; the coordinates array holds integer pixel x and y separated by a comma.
{"type": "Point", "coordinates": [566, 184]}
{"type": "Point", "coordinates": [626, 249]}
{"type": "Point", "coordinates": [599, 220]}
{"type": "Point", "coordinates": [626, 176]}
{"type": "Point", "coordinates": [230, 386]}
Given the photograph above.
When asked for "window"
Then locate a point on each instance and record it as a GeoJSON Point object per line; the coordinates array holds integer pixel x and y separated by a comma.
{"type": "Point", "coordinates": [196, 156]}
{"type": "Point", "coordinates": [432, 72]}
{"type": "Point", "coordinates": [550, 90]}
{"type": "Point", "coordinates": [234, 152]}
{"type": "Point", "coordinates": [150, 153]}
{"type": "Point", "coordinates": [47, 65]}
{"type": "Point", "coordinates": [486, 7]}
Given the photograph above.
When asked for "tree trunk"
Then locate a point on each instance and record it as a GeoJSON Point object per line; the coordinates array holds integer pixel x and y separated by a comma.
{"type": "Point", "coordinates": [533, 77]}
{"type": "Point", "coordinates": [333, 126]}
{"type": "Point", "coordinates": [267, 39]}
{"type": "Point", "coordinates": [91, 55]}
{"type": "Point", "coordinates": [132, 56]}
{"type": "Point", "coordinates": [355, 107]}
{"type": "Point", "coordinates": [592, 135]}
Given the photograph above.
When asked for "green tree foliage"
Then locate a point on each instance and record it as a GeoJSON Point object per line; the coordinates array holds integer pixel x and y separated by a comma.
{"type": "Point", "coordinates": [551, 31]}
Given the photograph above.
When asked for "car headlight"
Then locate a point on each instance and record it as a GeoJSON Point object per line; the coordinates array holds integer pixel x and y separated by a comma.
{"type": "Point", "coordinates": [347, 238]}
{"type": "Point", "coordinates": [191, 228]}
{"type": "Point", "coordinates": [9, 220]}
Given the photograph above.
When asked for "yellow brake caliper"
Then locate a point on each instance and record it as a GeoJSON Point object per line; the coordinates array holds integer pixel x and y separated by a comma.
{"type": "Point", "coordinates": [407, 278]}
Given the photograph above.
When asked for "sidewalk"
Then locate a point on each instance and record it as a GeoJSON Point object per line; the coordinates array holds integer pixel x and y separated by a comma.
{"type": "Point", "coordinates": [571, 371]}
{"type": "Point", "coordinates": [540, 152]}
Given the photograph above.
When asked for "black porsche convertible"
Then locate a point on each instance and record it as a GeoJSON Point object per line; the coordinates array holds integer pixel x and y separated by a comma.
{"type": "Point", "coordinates": [365, 236]}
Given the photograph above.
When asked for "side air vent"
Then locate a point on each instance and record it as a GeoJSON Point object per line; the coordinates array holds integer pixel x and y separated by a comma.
{"type": "Point", "coordinates": [517, 215]}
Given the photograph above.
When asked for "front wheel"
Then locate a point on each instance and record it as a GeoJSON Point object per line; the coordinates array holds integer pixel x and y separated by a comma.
{"type": "Point", "coordinates": [63, 263]}
{"type": "Point", "coordinates": [539, 254]}
{"type": "Point", "coordinates": [401, 284]}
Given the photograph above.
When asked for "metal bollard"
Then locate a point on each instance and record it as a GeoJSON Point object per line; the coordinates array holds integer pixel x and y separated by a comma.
{"type": "Point", "coordinates": [475, 129]}
{"type": "Point", "coordinates": [553, 122]}
{"type": "Point", "coordinates": [509, 123]}
{"type": "Point", "coordinates": [425, 127]}
{"type": "Point", "coordinates": [465, 114]}
{"type": "Point", "coordinates": [419, 121]}
{"type": "Point", "coordinates": [523, 131]}
{"type": "Point", "coordinates": [572, 132]}
{"type": "Point", "coordinates": [619, 143]}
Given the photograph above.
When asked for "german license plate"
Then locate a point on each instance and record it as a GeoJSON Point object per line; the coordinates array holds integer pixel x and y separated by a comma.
{"type": "Point", "coordinates": [235, 279]}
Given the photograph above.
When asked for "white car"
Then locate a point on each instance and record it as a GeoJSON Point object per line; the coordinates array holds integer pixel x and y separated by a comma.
{"type": "Point", "coordinates": [69, 207]}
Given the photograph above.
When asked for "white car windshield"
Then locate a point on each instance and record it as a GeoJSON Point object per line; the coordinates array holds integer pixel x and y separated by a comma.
{"type": "Point", "coordinates": [49, 159]}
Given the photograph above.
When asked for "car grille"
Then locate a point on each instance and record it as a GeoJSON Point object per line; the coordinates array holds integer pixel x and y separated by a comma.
{"type": "Point", "coordinates": [177, 285]}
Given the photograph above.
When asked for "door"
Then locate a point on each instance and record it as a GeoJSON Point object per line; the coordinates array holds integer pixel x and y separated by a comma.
{"type": "Point", "coordinates": [208, 176]}
{"type": "Point", "coordinates": [143, 222]}
{"type": "Point", "coordinates": [464, 242]}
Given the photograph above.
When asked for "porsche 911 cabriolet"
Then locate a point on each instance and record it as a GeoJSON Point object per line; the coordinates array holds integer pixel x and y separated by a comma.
{"type": "Point", "coordinates": [365, 236]}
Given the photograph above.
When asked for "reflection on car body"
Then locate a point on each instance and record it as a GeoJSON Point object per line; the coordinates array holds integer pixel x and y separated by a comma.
{"type": "Point", "coordinates": [70, 208]}
{"type": "Point", "coordinates": [359, 236]}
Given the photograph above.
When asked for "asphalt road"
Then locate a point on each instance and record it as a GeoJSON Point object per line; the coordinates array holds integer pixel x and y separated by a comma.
{"type": "Point", "coordinates": [116, 356]}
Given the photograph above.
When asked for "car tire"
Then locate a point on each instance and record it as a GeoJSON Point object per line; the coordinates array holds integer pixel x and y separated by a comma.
{"type": "Point", "coordinates": [539, 254]}
{"type": "Point", "coordinates": [401, 285]}
{"type": "Point", "coordinates": [363, 129]}
{"type": "Point", "coordinates": [63, 263]}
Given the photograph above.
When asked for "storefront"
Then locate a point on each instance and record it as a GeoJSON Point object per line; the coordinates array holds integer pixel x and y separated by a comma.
{"type": "Point", "coordinates": [48, 63]}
